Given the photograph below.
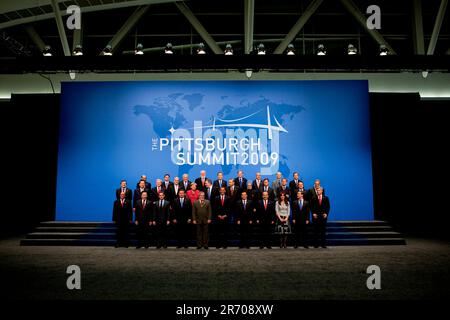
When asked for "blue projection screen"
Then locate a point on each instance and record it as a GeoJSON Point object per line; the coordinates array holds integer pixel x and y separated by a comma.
{"type": "Point", "coordinates": [119, 130]}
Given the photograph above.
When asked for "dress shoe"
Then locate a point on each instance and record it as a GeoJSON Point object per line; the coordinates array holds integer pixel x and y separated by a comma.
{"type": "Point", "coordinates": [218, 247]}
{"type": "Point", "coordinates": [225, 247]}
{"type": "Point", "coordinates": [295, 247]}
{"type": "Point", "coordinates": [306, 247]}
{"type": "Point", "coordinates": [269, 247]}
{"type": "Point", "coordinates": [261, 247]}
{"type": "Point", "coordinates": [324, 247]}
{"type": "Point", "coordinates": [199, 248]}
{"type": "Point", "coordinates": [138, 247]}
{"type": "Point", "coordinates": [178, 247]}
{"type": "Point", "coordinates": [206, 247]}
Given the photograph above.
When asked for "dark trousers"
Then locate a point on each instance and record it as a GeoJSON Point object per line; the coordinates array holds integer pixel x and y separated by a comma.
{"type": "Point", "coordinates": [122, 233]}
{"type": "Point", "coordinates": [143, 234]}
{"type": "Point", "coordinates": [182, 230]}
{"type": "Point", "coordinates": [320, 231]}
{"type": "Point", "coordinates": [245, 228]}
{"type": "Point", "coordinates": [266, 234]}
{"type": "Point", "coordinates": [301, 233]}
{"type": "Point", "coordinates": [161, 234]}
{"type": "Point", "coordinates": [222, 233]}
{"type": "Point", "coordinates": [202, 235]}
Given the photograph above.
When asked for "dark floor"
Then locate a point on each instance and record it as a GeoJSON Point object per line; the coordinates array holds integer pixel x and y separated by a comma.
{"type": "Point", "coordinates": [419, 270]}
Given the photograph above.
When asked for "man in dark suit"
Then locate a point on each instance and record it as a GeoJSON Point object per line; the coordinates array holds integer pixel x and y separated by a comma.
{"type": "Point", "coordinates": [320, 208]}
{"type": "Point", "coordinates": [210, 192]}
{"type": "Point", "coordinates": [222, 212]}
{"type": "Point", "coordinates": [277, 183]}
{"type": "Point", "coordinates": [300, 220]}
{"type": "Point", "coordinates": [252, 193]}
{"type": "Point", "coordinates": [161, 220]}
{"type": "Point", "coordinates": [138, 192]}
{"type": "Point", "coordinates": [268, 189]}
{"type": "Point", "coordinates": [257, 183]}
{"type": "Point", "coordinates": [143, 219]}
{"type": "Point", "coordinates": [245, 216]}
{"type": "Point", "coordinates": [185, 183]}
{"type": "Point", "coordinates": [240, 181]}
{"type": "Point", "coordinates": [234, 195]}
{"type": "Point", "coordinates": [200, 181]}
{"type": "Point", "coordinates": [219, 183]}
{"type": "Point", "coordinates": [301, 188]}
{"type": "Point", "coordinates": [154, 195]}
{"type": "Point", "coordinates": [265, 219]}
{"type": "Point", "coordinates": [166, 183]}
{"type": "Point", "coordinates": [174, 189]}
{"type": "Point", "coordinates": [148, 185]}
{"type": "Point", "coordinates": [123, 188]}
{"type": "Point", "coordinates": [285, 189]}
{"type": "Point", "coordinates": [181, 218]}
{"type": "Point", "coordinates": [293, 184]}
{"type": "Point", "coordinates": [201, 217]}
{"type": "Point", "coordinates": [312, 193]}
{"type": "Point", "coordinates": [122, 218]}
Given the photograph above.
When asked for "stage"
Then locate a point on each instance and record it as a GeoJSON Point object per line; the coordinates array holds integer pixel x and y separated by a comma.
{"type": "Point", "coordinates": [419, 270]}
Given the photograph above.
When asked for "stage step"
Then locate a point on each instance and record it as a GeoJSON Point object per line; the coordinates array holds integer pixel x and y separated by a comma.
{"type": "Point", "coordinates": [79, 233]}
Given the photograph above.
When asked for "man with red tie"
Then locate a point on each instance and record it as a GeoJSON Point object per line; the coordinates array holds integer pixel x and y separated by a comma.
{"type": "Point", "coordinates": [265, 219]}
{"type": "Point", "coordinates": [320, 208]}
{"type": "Point", "coordinates": [222, 212]}
{"type": "Point", "coordinates": [123, 188]}
{"type": "Point", "coordinates": [200, 181]}
{"type": "Point", "coordinates": [233, 194]}
{"type": "Point", "coordinates": [156, 190]}
{"type": "Point", "coordinates": [142, 220]}
{"type": "Point", "coordinates": [122, 218]}
{"type": "Point", "coordinates": [138, 192]}
{"type": "Point", "coordinates": [245, 216]}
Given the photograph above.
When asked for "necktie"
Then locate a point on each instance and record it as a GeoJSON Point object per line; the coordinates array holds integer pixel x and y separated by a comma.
{"type": "Point", "coordinates": [121, 202]}
{"type": "Point", "coordinates": [220, 183]}
{"type": "Point", "coordinates": [320, 200]}
{"type": "Point", "coordinates": [143, 204]}
{"type": "Point", "coordinates": [296, 182]}
{"type": "Point", "coordinates": [257, 183]}
{"type": "Point", "coordinates": [160, 203]}
{"type": "Point", "coordinates": [123, 190]}
{"type": "Point", "coordinates": [300, 204]}
{"type": "Point", "coordinates": [176, 189]}
{"type": "Point", "coordinates": [265, 189]}
{"type": "Point", "coordinates": [265, 204]}
{"type": "Point", "coordinates": [245, 202]}
{"type": "Point", "coordinates": [185, 185]}
{"type": "Point", "coordinates": [203, 181]}
{"type": "Point", "coordinates": [240, 182]}
{"type": "Point", "coordinates": [181, 202]}
{"type": "Point", "coordinates": [159, 189]}
{"type": "Point", "coordinates": [223, 200]}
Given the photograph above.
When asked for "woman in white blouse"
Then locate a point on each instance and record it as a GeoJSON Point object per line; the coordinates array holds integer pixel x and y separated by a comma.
{"type": "Point", "coordinates": [282, 209]}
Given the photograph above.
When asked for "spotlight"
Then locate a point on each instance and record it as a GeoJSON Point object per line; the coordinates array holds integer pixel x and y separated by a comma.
{"type": "Point", "coordinates": [168, 49]}
{"type": "Point", "coordinates": [351, 50]}
{"type": "Point", "coordinates": [138, 51]}
{"type": "Point", "coordinates": [321, 50]}
{"type": "Point", "coordinates": [47, 52]}
{"type": "Point", "coordinates": [78, 51]}
{"type": "Point", "coordinates": [290, 50]}
{"type": "Point", "coordinates": [383, 50]}
{"type": "Point", "coordinates": [107, 51]}
{"type": "Point", "coordinates": [261, 49]}
{"type": "Point", "coordinates": [228, 50]}
{"type": "Point", "coordinates": [201, 48]}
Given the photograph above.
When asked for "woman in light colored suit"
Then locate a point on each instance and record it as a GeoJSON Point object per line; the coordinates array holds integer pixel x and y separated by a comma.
{"type": "Point", "coordinates": [282, 209]}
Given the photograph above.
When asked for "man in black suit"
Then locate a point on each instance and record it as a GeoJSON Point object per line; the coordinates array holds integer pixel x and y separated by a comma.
{"type": "Point", "coordinates": [123, 188]}
{"type": "Point", "coordinates": [240, 181]}
{"type": "Point", "coordinates": [142, 219]}
{"type": "Point", "coordinates": [166, 183]}
{"type": "Point", "coordinates": [285, 189]}
{"type": "Point", "coordinates": [210, 192]}
{"type": "Point", "coordinates": [174, 189]}
{"type": "Point", "coordinates": [268, 189]}
{"type": "Point", "coordinates": [320, 208]}
{"type": "Point", "coordinates": [293, 184]}
{"type": "Point", "coordinates": [185, 183]}
{"type": "Point", "coordinates": [154, 195]}
{"type": "Point", "coordinates": [257, 183]}
{"type": "Point", "coordinates": [148, 185]}
{"type": "Point", "coordinates": [222, 212]}
{"type": "Point", "coordinates": [122, 218]}
{"type": "Point", "coordinates": [200, 181]}
{"type": "Point", "coordinates": [181, 218]}
{"type": "Point", "coordinates": [300, 220]}
{"type": "Point", "coordinates": [252, 194]}
{"type": "Point", "coordinates": [161, 220]}
{"type": "Point", "coordinates": [312, 193]}
{"type": "Point", "coordinates": [245, 217]}
{"type": "Point", "coordinates": [277, 183]}
{"type": "Point", "coordinates": [138, 192]}
{"type": "Point", "coordinates": [219, 183]}
{"type": "Point", "coordinates": [265, 219]}
{"type": "Point", "coordinates": [301, 188]}
{"type": "Point", "coordinates": [233, 194]}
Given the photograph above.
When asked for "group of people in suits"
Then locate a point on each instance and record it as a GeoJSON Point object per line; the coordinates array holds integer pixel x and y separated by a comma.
{"type": "Point", "coordinates": [282, 208]}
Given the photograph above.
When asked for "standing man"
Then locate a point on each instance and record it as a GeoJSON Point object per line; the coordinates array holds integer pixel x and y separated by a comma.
{"type": "Point", "coordinates": [240, 181]}
{"type": "Point", "coordinates": [201, 217]}
{"type": "Point", "coordinates": [122, 218]}
{"type": "Point", "coordinates": [276, 184]}
{"type": "Point", "coordinates": [138, 192]}
{"type": "Point", "coordinates": [210, 192]}
{"type": "Point", "coordinates": [265, 219]}
{"type": "Point", "coordinates": [257, 183]}
{"type": "Point", "coordinates": [148, 185]}
{"type": "Point", "coordinates": [186, 184]}
{"type": "Point", "coordinates": [222, 212]}
{"type": "Point", "coordinates": [252, 194]}
{"type": "Point", "coordinates": [300, 220]}
{"type": "Point", "coordinates": [245, 216]}
{"type": "Point", "coordinates": [293, 184]}
{"type": "Point", "coordinates": [284, 188]}
{"type": "Point", "coordinates": [233, 194]}
{"type": "Point", "coordinates": [312, 193]}
{"type": "Point", "coordinates": [161, 220]}
{"type": "Point", "coordinates": [174, 188]}
{"type": "Point", "coordinates": [166, 184]}
{"type": "Point", "coordinates": [320, 208]}
{"type": "Point", "coordinates": [181, 219]}
{"type": "Point", "coordinates": [268, 189]}
{"type": "Point", "coordinates": [220, 182]}
{"type": "Point", "coordinates": [154, 195]}
{"type": "Point", "coordinates": [200, 181]}
{"type": "Point", "coordinates": [123, 188]}
{"type": "Point", "coordinates": [143, 220]}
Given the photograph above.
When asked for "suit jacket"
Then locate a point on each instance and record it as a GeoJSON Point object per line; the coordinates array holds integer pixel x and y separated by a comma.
{"type": "Point", "coordinates": [137, 195]}
{"type": "Point", "coordinates": [245, 215]}
{"type": "Point", "coordinates": [286, 190]}
{"type": "Point", "coordinates": [221, 210]}
{"type": "Point", "coordinates": [234, 197]}
{"type": "Point", "coordinates": [275, 185]}
{"type": "Point", "coordinates": [122, 214]}
{"type": "Point", "coordinates": [171, 194]}
{"type": "Point", "coordinates": [164, 185]}
{"type": "Point", "coordinates": [198, 181]}
{"type": "Point", "coordinates": [252, 194]}
{"type": "Point", "coordinates": [303, 215]}
{"type": "Point", "coordinates": [128, 194]}
{"type": "Point", "coordinates": [188, 187]}
{"type": "Point", "coordinates": [201, 214]}
{"type": "Point", "coordinates": [143, 214]}
{"type": "Point", "coordinates": [293, 185]}
{"type": "Point", "coordinates": [255, 185]}
{"type": "Point", "coordinates": [154, 193]}
{"type": "Point", "coordinates": [265, 215]}
{"type": "Point", "coordinates": [271, 194]}
{"type": "Point", "coordinates": [217, 185]}
{"type": "Point", "coordinates": [320, 209]}
{"type": "Point", "coordinates": [211, 196]}
{"type": "Point", "coordinates": [312, 193]}
{"type": "Point", "coordinates": [161, 214]}
{"type": "Point", "coordinates": [148, 185]}
{"type": "Point", "coordinates": [244, 183]}
{"type": "Point", "coordinates": [182, 214]}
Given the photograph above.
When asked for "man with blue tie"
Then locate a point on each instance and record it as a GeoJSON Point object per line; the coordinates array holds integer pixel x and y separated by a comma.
{"type": "Point", "coordinates": [181, 218]}
{"type": "Point", "coordinates": [210, 192]}
{"type": "Point", "coordinates": [220, 182]}
{"type": "Point", "coordinates": [301, 217]}
{"type": "Point", "coordinates": [240, 181]}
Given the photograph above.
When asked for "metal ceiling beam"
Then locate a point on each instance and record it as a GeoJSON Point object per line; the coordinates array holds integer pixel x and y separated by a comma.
{"type": "Point", "coordinates": [126, 27]}
{"type": "Point", "coordinates": [249, 15]}
{"type": "Point", "coordinates": [77, 37]}
{"type": "Point", "coordinates": [60, 25]}
{"type": "Point", "coordinates": [298, 26]}
{"type": "Point", "coordinates": [361, 19]}
{"type": "Point", "coordinates": [34, 36]}
{"type": "Point", "coordinates": [437, 27]}
{"type": "Point", "coordinates": [418, 39]}
{"type": "Point", "coordinates": [186, 11]}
